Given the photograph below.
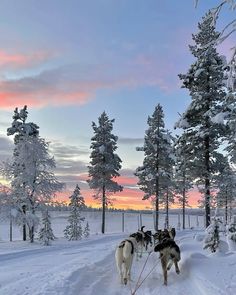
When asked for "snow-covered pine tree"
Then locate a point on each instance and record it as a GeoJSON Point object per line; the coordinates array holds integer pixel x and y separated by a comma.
{"type": "Point", "coordinates": [232, 3]}
{"type": "Point", "coordinates": [45, 234]}
{"type": "Point", "coordinates": [182, 176]}
{"type": "Point", "coordinates": [86, 232]}
{"type": "Point", "coordinates": [212, 238]}
{"type": "Point", "coordinates": [155, 175]}
{"type": "Point", "coordinates": [230, 73]}
{"type": "Point", "coordinates": [232, 230]}
{"type": "Point", "coordinates": [105, 163]}
{"type": "Point", "coordinates": [204, 126]}
{"type": "Point", "coordinates": [226, 184]}
{"type": "Point", "coordinates": [32, 181]}
{"type": "Point", "coordinates": [19, 129]}
{"type": "Point", "coordinates": [168, 184]}
{"type": "Point", "coordinates": [230, 108]}
{"type": "Point", "coordinates": [74, 231]}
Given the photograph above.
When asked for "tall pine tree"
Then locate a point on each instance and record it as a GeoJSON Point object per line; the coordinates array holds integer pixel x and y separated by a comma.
{"type": "Point", "coordinates": [226, 184]}
{"type": "Point", "coordinates": [105, 163]}
{"type": "Point", "coordinates": [155, 175]}
{"type": "Point", "coordinates": [183, 179]}
{"type": "Point", "coordinates": [204, 80]}
{"type": "Point", "coordinates": [20, 129]}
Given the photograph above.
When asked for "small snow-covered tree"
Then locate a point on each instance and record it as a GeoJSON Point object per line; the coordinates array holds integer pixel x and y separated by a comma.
{"type": "Point", "coordinates": [74, 231]}
{"type": "Point", "coordinates": [105, 163]}
{"type": "Point", "coordinates": [86, 232]}
{"type": "Point", "coordinates": [226, 184]}
{"type": "Point", "coordinates": [33, 182]}
{"type": "Point", "coordinates": [205, 126]}
{"type": "Point", "coordinates": [232, 230]}
{"type": "Point", "coordinates": [45, 234]}
{"type": "Point", "coordinates": [212, 238]}
{"type": "Point", "coordinates": [155, 175]}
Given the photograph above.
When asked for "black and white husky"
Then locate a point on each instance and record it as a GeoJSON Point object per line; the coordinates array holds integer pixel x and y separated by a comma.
{"type": "Point", "coordinates": [169, 254]}
{"type": "Point", "coordinates": [139, 236]}
{"type": "Point", "coordinates": [124, 258]}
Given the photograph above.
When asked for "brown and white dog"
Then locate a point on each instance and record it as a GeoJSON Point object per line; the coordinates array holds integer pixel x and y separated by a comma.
{"type": "Point", "coordinates": [169, 253]}
{"type": "Point", "coordinates": [124, 258]}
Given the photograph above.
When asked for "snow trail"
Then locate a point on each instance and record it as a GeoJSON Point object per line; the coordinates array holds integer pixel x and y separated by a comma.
{"type": "Point", "coordinates": [87, 267]}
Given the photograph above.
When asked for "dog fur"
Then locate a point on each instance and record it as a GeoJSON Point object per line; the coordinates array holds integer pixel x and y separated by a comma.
{"type": "Point", "coordinates": [160, 235]}
{"type": "Point", "coordinates": [124, 258]}
{"type": "Point", "coordinates": [147, 238]}
{"type": "Point", "coordinates": [169, 254]}
{"type": "Point", "coordinates": [172, 233]}
{"type": "Point", "coordinates": [139, 236]}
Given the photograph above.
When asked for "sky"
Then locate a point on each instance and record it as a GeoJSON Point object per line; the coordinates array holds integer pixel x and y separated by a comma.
{"type": "Point", "coordinates": [69, 61]}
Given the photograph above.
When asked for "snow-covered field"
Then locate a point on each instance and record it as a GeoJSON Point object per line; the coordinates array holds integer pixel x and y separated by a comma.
{"type": "Point", "coordinates": [87, 267]}
{"type": "Point", "coordinates": [114, 221]}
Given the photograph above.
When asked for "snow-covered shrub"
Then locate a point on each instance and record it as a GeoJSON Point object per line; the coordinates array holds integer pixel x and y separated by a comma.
{"type": "Point", "coordinates": [46, 234]}
{"type": "Point", "coordinates": [232, 230]}
{"type": "Point", "coordinates": [74, 230]}
{"type": "Point", "coordinates": [86, 232]}
{"type": "Point", "coordinates": [212, 238]}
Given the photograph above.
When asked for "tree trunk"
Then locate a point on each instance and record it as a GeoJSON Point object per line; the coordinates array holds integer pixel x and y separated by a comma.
{"type": "Point", "coordinates": [167, 208]}
{"type": "Point", "coordinates": [31, 231]}
{"type": "Point", "coordinates": [157, 211]}
{"type": "Point", "coordinates": [24, 225]}
{"type": "Point", "coordinates": [103, 208]}
{"type": "Point", "coordinates": [226, 207]}
{"type": "Point", "coordinates": [184, 201]}
{"type": "Point", "coordinates": [207, 181]}
{"type": "Point", "coordinates": [183, 209]}
{"type": "Point", "coordinates": [157, 180]}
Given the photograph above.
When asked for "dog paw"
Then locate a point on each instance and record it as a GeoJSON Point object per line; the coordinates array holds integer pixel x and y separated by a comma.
{"type": "Point", "coordinates": [178, 271]}
{"type": "Point", "coordinates": [125, 281]}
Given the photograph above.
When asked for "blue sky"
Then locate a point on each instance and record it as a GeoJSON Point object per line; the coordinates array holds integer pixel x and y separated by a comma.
{"type": "Point", "coordinates": [71, 60]}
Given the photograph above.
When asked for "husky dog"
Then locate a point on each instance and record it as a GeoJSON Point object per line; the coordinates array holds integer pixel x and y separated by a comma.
{"type": "Point", "coordinates": [169, 254]}
{"type": "Point", "coordinates": [160, 235]}
{"type": "Point", "coordinates": [147, 237]}
{"type": "Point", "coordinates": [139, 236]}
{"type": "Point", "coordinates": [124, 258]}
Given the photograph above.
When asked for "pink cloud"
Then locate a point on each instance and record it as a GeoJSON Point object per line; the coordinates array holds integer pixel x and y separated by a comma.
{"type": "Point", "coordinates": [19, 60]}
{"type": "Point", "coordinates": [11, 99]}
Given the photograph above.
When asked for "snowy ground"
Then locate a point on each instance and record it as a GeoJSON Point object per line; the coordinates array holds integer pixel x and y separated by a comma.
{"type": "Point", "coordinates": [87, 267]}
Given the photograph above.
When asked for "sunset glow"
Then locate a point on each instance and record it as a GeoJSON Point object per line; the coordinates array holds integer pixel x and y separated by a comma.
{"type": "Point", "coordinates": [69, 61]}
